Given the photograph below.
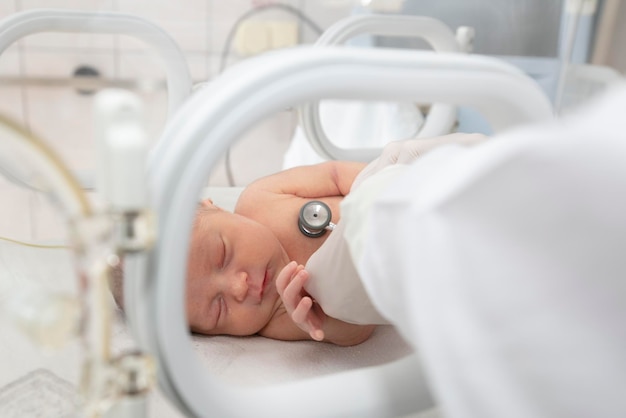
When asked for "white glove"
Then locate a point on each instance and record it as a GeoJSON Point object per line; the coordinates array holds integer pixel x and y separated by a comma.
{"type": "Point", "coordinates": [405, 152]}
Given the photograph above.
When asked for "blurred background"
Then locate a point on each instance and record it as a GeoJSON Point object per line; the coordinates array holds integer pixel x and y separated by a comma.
{"type": "Point", "coordinates": [39, 74]}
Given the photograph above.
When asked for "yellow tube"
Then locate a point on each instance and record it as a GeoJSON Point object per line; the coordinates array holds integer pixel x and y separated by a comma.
{"type": "Point", "coordinates": [45, 162]}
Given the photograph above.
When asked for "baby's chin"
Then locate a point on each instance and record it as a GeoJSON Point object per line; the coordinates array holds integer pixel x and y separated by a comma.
{"type": "Point", "coordinates": [271, 299]}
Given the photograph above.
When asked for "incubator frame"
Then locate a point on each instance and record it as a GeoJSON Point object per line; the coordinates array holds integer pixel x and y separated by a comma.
{"type": "Point", "coordinates": [27, 23]}
{"type": "Point", "coordinates": [440, 118]}
{"type": "Point", "coordinates": [207, 124]}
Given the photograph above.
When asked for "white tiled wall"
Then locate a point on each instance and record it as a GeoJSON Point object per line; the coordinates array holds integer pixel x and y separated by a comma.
{"type": "Point", "coordinates": [62, 117]}
{"type": "Point", "coordinates": [11, 103]}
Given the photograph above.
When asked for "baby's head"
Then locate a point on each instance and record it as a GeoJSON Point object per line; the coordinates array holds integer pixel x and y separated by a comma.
{"type": "Point", "coordinates": [231, 273]}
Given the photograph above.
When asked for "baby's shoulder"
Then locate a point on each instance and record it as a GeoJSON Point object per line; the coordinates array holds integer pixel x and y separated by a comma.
{"type": "Point", "coordinates": [266, 205]}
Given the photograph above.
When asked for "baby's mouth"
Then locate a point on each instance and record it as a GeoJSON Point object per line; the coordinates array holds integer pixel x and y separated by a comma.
{"type": "Point", "coordinates": [264, 284]}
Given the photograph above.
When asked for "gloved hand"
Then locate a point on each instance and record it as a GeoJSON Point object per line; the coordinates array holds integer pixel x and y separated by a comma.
{"type": "Point", "coordinates": [405, 152]}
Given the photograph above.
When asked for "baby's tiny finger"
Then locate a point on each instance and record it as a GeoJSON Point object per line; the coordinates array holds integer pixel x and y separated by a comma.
{"type": "Point", "coordinates": [292, 292]}
{"type": "Point", "coordinates": [299, 315]}
{"type": "Point", "coordinates": [317, 334]}
{"type": "Point", "coordinates": [284, 277]}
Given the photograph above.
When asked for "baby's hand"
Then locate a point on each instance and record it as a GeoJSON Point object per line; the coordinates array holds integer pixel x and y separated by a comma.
{"type": "Point", "coordinates": [307, 315]}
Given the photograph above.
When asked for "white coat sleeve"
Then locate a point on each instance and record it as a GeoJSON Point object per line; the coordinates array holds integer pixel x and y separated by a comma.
{"type": "Point", "coordinates": [504, 265]}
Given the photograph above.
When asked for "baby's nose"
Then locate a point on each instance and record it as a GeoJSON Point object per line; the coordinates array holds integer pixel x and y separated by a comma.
{"type": "Point", "coordinates": [240, 287]}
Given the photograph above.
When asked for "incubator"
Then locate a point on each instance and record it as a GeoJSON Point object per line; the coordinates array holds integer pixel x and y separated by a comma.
{"type": "Point", "coordinates": [147, 193]}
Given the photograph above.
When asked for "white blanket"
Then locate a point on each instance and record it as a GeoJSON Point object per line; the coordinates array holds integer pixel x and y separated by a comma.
{"type": "Point", "coordinates": [335, 283]}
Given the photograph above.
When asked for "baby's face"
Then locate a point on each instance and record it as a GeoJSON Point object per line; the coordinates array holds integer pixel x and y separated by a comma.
{"type": "Point", "coordinates": [231, 274]}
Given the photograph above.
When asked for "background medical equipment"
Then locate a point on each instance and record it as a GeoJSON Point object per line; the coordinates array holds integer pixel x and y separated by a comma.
{"type": "Point", "coordinates": [315, 219]}
{"type": "Point", "coordinates": [107, 378]}
{"type": "Point", "coordinates": [26, 23]}
{"type": "Point", "coordinates": [440, 118]}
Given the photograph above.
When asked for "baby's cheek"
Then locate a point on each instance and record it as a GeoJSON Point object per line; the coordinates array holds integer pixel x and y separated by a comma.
{"type": "Point", "coordinates": [248, 321]}
{"type": "Point", "coordinates": [271, 304]}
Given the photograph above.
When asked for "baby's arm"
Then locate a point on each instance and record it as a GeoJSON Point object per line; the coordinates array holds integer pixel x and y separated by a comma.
{"type": "Point", "coordinates": [309, 316]}
{"type": "Point", "coordinates": [331, 178]}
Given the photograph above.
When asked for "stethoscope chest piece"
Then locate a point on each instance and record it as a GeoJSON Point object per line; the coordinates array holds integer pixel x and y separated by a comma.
{"type": "Point", "coordinates": [315, 219]}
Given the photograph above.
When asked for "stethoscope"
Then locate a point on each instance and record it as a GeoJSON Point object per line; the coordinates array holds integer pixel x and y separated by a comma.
{"type": "Point", "coordinates": [315, 219]}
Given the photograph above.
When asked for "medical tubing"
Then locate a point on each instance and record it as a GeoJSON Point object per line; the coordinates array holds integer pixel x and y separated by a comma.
{"type": "Point", "coordinates": [32, 245]}
{"type": "Point", "coordinates": [52, 175]}
{"type": "Point", "coordinates": [53, 178]}
{"type": "Point", "coordinates": [30, 22]}
{"type": "Point", "coordinates": [48, 318]}
{"type": "Point", "coordinates": [230, 178]}
{"type": "Point", "coordinates": [253, 12]}
{"type": "Point", "coordinates": [90, 235]}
